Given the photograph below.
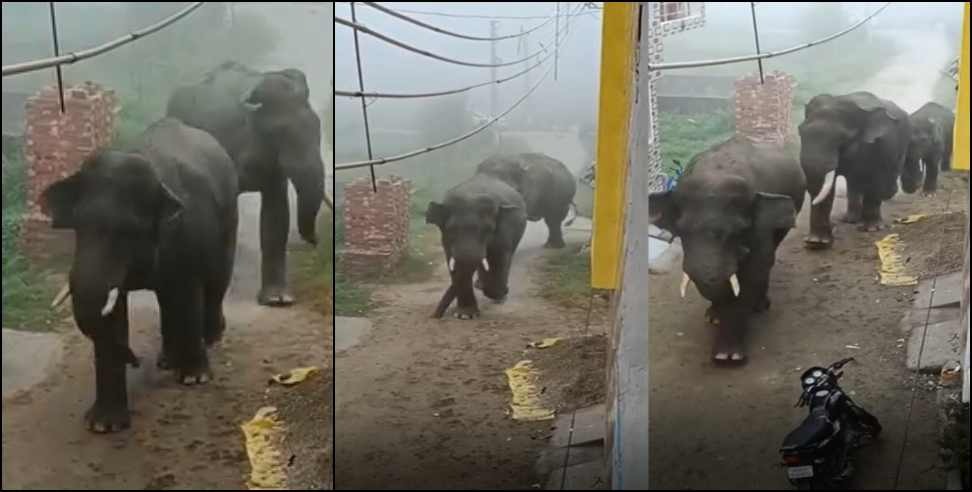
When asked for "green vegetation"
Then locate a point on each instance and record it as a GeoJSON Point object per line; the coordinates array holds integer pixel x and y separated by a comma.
{"type": "Point", "coordinates": [684, 136]}
{"type": "Point", "coordinates": [314, 267]}
{"type": "Point", "coordinates": [565, 277]}
{"type": "Point", "coordinates": [26, 292]}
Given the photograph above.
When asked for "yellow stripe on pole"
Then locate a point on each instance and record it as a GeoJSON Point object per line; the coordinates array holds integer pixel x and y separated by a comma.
{"type": "Point", "coordinates": [961, 137]}
{"type": "Point", "coordinates": [614, 112]}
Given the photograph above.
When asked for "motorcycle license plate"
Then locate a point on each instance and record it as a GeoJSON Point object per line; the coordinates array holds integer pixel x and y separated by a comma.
{"type": "Point", "coordinates": [800, 471]}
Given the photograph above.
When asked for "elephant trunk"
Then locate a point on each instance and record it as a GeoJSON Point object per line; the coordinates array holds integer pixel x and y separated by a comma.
{"type": "Point", "coordinates": [307, 176]}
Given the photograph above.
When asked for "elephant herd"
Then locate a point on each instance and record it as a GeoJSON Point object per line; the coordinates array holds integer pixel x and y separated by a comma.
{"type": "Point", "coordinates": [482, 221]}
{"type": "Point", "coordinates": [732, 209]}
{"type": "Point", "coordinates": [739, 199]}
{"type": "Point", "coordinates": [160, 214]}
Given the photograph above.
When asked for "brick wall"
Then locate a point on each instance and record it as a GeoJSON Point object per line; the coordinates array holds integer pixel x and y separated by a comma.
{"type": "Point", "coordinates": [375, 225]}
{"type": "Point", "coordinates": [763, 110]}
{"type": "Point", "coordinates": [55, 143]}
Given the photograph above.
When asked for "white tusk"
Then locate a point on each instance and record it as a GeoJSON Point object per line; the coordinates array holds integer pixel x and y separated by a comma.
{"type": "Point", "coordinates": [485, 265]}
{"type": "Point", "coordinates": [828, 185]}
{"type": "Point", "coordinates": [110, 304]}
{"type": "Point", "coordinates": [61, 296]}
{"type": "Point", "coordinates": [921, 166]}
{"type": "Point", "coordinates": [452, 264]}
{"type": "Point", "coordinates": [734, 281]}
{"type": "Point", "coordinates": [685, 282]}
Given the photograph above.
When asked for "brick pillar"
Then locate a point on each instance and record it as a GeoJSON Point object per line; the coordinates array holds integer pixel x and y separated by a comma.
{"type": "Point", "coordinates": [763, 110]}
{"type": "Point", "coordinates": [375, 225]}
{"type": "Point", "coordinates": [56, 144]}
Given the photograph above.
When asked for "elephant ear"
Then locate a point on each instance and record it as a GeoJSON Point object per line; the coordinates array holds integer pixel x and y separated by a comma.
{"type": "Point", "coordinates": [774, 211]}
{"type": "Point", "coordinates": [662, 211]}
{"type": "Point", "coordinates": [437, 214]}
{"type": "Point", "coordinates": [59, 200]}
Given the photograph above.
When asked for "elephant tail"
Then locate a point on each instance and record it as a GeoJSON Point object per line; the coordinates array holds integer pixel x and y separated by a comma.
{"type": "Point", "coordinates": [573, 214]}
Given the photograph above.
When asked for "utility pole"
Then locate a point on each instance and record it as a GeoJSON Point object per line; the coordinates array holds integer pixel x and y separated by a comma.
{"type": "Point", "coordinates": [557, 41]}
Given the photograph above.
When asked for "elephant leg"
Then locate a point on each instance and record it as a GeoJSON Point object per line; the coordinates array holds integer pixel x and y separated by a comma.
{"type": "Point", "coordinates": [498, 287]}
{"type": "Point", "coordinates": [711, 315]}
{"type": "Point", "coordinates": [109, 413]}
{"type": "Point", "coordinates": [729, 344]}
{"type": "Point", "coordinates": [871, 214]}
{"type": "Point", "coordinates": [480, 274]}
{"type": "Point", "coordinates": [216, 286]}
{"type": "Point", "coordinates": [466, 297]}
{"type": "Point", "coordinates": [932, 167]}
{"type": "Point", "coordinates": [855, 202]}
{"type": "Point", "coordinates": [555, 237]}
{"type": "Point", "coordinates": [183, 306]}
{"type": "Point", "coordinates": [821, 231]}
{"type": "Point", "coordinates": [274, 227]}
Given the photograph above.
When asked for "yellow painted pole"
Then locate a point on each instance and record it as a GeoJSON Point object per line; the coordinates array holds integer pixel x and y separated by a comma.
{"type": "Point", "coordinates": [614, 113]}
{"type": "Point", "coordinates": [960, 149]}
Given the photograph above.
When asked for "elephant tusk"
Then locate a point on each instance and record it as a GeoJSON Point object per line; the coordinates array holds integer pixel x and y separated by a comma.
{"type": "Point", "coordinates": [452, 264]}
{"type": "Point", "coordinates": [829, 179]}
{"type": "Point", "coordinates": [685, 282]}
{"type": "Point", "coordinates": [734, 281]}
{"type": "Point", "coordinates": [921, 166]}
{"type": "Point", "coordinates": [485, 265]}
{"type": "Point", "coordinates": [110, 304]}
{"type": "Point", "coordinates": [61, 296]}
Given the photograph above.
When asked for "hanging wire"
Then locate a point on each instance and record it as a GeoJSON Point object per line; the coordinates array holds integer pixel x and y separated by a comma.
{"type": "Point", "coordinates": [406, 46]}
{"type": "Point", "coordinates": [770, 54]}
{"type": "Point", "coordinates": [406, 18]}
{"type": "Point", "coordinates": [364, 105]}
{"type": "Point", "coordinates": [474, 131]}
{"type": "Point", "coordinates": [57, 52]}
{"type": "Point", "coordinates": [76, 56]}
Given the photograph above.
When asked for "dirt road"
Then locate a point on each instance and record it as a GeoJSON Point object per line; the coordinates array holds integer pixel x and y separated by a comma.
{"type": "Point", "coordinates": [423, 403]}
{"type": "Point", "coordinates": [719, 428]}
{"type": "Point", "coordinates": [181, 437]}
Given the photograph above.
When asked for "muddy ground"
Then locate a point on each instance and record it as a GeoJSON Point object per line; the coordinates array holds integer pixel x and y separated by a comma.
{"type": "Point", "coordinates": [181, 437]}
{"type": "Point", "coordinates": [423, 403]}
{"type": "Point", "coordinates": [720, 428]}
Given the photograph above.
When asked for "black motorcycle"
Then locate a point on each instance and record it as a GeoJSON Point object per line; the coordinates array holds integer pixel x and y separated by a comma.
{"type": "Point", "coordinates": [817, 455]}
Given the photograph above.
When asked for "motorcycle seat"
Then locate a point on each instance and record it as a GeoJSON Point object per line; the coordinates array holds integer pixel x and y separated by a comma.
{"type": "Point", "coordinates": [815, 428]}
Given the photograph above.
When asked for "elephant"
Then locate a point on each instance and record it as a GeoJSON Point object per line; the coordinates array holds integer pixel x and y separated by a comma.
{"type": "Point", "coordinates": [481, 222]}
{"type": "Point", "coordinates": [161, 215]}
{"type": "Point", "coordinates": [861, 137]}
{"type": "Point", "coordinates": [930, 149]}
{"type": "Point", "coordinates": [731, 210]}
{"type": "Point", "coordinates": [266, 124]}
{"type": "Point", "coordinates": [546, 184]}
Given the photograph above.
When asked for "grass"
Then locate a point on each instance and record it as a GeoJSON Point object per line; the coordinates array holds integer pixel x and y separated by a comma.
{"type": "Point", "coordinates": [684, 136]}
{"type": "Point", "coordinates": [565, 277]}
{"type": "Point", "coordinates": [26, 291]}
{"type": "Point", "coordinates": [313, 268]}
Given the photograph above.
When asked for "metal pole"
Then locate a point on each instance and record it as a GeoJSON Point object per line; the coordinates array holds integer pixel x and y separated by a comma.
{"type": "Point", "coordinates": [557, 42]}
{"type": "Point", "coordinates": [364, 106]}
{"type": "Point", "coordinates": [752, 8]}
{"type": "Point", "coordinates": [493, 94]}
{"type": "Point", "coordinates": [57, 52]}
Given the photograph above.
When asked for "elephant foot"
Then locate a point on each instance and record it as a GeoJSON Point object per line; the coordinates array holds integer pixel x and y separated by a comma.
{"type": "Point", "coordinates": [102, 420]}
{"type": "Point", "coordinates": [710, 316]}
{"type": "Point", "coordinates": [467, 312]}
{"type": "Point", "coordinates": [555, 244]}
{"type": "Point", "coordinates": [928, 193]}
{"type": "Point", "coordinates": [871, 227]}
{"type": "Point", "coordinates": [728, 348]}
{"type": "Point", "coordinates": [762, 305]}
{"type": "Point", "coordinates": [817, 241]}
{"type": "Point", "coordinates": [275, 297]}
{"type": "Point", "coordinates": [850, 218]}
{"type": "Point", "coordinates": [194, 376]}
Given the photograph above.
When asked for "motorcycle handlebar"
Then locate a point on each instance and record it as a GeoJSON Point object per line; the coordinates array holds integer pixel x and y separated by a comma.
{"type": "Point", "coordinates": [837, 365]}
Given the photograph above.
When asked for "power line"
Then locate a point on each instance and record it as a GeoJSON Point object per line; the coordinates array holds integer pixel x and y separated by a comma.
{"type": "Point", "coordinates": [76, 56]}
{"type": "Point", "coordinates": [346, 93]}
{"type": "Point", "coordinates": [406, 18]}
{"type": "Point", "coordinates": [385, 160]}
{"type": "Point", "coordinates": [770, 54]}
{"type": "Point", "coordinates": [413, 49]}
